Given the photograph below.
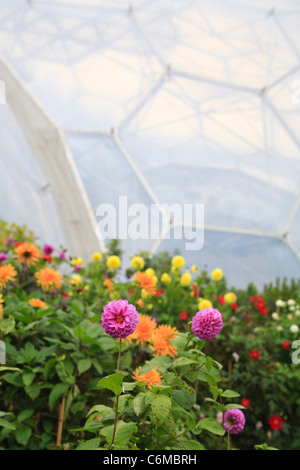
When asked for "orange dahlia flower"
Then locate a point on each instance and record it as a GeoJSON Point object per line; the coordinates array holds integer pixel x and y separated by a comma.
{"type": "Point", "coordinates": [37, 303]}
{"type": "Point", "coordinates": [7, 273]}
{"type": "Point", "coordinates": [150, 378]}
{"type": "Point", "coordinates": [48, 278]}
{"type": "Point", "coordinates": [145, 282]}
{"type": "Point", "coordinates": [144, 330]}
{"type": "Point", "coordinates": [27, 253]}
{"type": "Point", "coordinates": [160, 341]}
{"type": "Point", "coordinates": [107, 283]}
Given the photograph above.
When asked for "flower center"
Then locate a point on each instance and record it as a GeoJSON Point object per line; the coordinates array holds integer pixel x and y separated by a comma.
{"type": "Point", "coordinates": [119, 318]}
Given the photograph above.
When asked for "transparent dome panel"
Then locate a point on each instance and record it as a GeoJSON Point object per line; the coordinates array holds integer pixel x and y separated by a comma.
{"type": "Point", "coordinates": [121, 203]}
{"type": "Point", "coordinates": [88, 67]}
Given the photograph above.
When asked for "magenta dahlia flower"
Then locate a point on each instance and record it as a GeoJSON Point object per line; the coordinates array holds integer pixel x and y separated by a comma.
{"type": "Point", "coordinates": [3, 257]}
{"type": "Point", "coordinates": [48, 249]}
{"type": "Point", "coordinates": [234, 421]}
{"type": "Point", "coordinates": [207, 323]}
{"type": "Point", "coordinates": [119, 318]}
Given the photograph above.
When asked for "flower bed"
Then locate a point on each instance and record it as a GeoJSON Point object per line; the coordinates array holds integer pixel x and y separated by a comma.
{"type": "Point", "coordinates": [171, 358]}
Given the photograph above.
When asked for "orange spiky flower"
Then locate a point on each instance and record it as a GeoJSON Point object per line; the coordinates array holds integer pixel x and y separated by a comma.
{"type": "Point", "coordinates": [7, 273]}
{"type": "Point", "coordinates": [160, 342]}
{"type": "Point", "coordinates": [151, 378]}
{"type": "Point", "coordinates": [144, 330]}
{"type": "Point", "coordinates": [145, 282]}
{"type": "Point", "coordinates": [27, 253]}
{"type": "Point", "coordinates": [48, 278]}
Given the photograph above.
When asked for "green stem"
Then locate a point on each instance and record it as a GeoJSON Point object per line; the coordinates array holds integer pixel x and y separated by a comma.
{"type": "Point", "coordinates": [228, 440]}
{"type": "Point", "coordinates": [117, 401]}
{"type": "Point", "coordinates": [192, 370]}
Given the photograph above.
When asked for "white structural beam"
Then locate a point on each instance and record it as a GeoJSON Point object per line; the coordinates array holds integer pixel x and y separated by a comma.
{"type": "Point", "coordinates": [49, 147]}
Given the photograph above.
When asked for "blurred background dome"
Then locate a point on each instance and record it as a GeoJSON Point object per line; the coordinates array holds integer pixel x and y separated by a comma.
{"type": "Point", "coordinates": [161, 101]}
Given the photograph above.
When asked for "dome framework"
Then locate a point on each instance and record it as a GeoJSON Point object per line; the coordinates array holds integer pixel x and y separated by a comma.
{"type": "Point", "coordinates": [185, 101]}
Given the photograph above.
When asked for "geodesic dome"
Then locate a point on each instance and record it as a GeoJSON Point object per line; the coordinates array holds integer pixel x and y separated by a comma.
{"type": "Point", "coordinates": [161, 101]}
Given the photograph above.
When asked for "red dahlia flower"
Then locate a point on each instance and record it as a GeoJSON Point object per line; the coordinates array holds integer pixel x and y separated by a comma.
{"type": "Point", "coordinates": [254, 354]}
{"type": "Point", "coordinates": [183, 315]}
{"type": "Point", "coordinates": [245, 402]}
{"type": "Point", "coordinates": [276, 422]}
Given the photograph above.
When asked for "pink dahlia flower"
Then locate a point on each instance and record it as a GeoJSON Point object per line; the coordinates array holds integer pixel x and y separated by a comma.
{"type": "Point", "coordinates": [119, 318]}
{"type": "Point", "coordinates": [234, 421]}
{"type": "Point", "coordinates": [207, 323]}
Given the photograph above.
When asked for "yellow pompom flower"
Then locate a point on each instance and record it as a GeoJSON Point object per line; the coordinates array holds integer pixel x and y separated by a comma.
{"type": "Point", "coordinates": [76, 279]}
{"type": "Point", "coordinates": [150, 272]}
{"type": "Point", "coordinates": [77, 261]}
{"type": "Point", "coordinates": [204, 303]}
{"type": "Point", "coordinates": [165, 278]}
{"type": "Point", "coordinates": [96, 256]}
{"type": "Point", "coordinates": [217, 274]}
{"type": "Point", "coordinates": [144, 294]}
{"type": "Point", "coordinates": [178, 262]}
{"type": "Point", "coordinates": [186, 279]}
{"type": "Point", "coordinates": [113, 262]}
{"type": "Point", "coordinates": [195, 269]}
{"type": "Point", "coordinates": [230, 298]}
{"type": "Point", "coordinates": [137, 263]}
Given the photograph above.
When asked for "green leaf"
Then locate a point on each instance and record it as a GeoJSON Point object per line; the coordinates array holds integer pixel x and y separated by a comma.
{"type": "Point", "coordinates": [211, 425]}
{"type": "Point", "coordinates": [124, 432]}
{"type": "Point", "coordinates": [162, 389]}
{"type": "Point", "coordinates": [139, 404]}
{"type": "Point", "coordinates": [232, 406]}
{"type": "Point", "coordinates": [84, 365]}
{"type": "Point", "coordinates": [6, 325]}
{"type": "Point", "coordinates": [77, 308]}
{"type": "Point", "coordinates": [221, 407]}
{"type": "Point", "coordinates": [183, 361]}
{"type": "Point", "coordinates": [28, 377]}
{"type": "Point", "coordinates": [100, 410]}
{"type": "Point", "coordinates": [25, 414]}
{"type": "Point", "coordinates": [128, 386]}
{"type": "Point", "coordinates": [160, 409]}
{"type": "Point", "coordinates": [13, 378]}
{"type": "Point", "coordinates": [112, 382]}
{"type": "Point", "coordinates": [33, 391]}
{"type": "Point", "coordinates": [23, 434]}
{"type": "Point", "coordinates": [7, 424]}
{"type": "Point", "coordinates": [230, 394]}
{"type": "Point", "coordinates": [56, 392]}
{"type": "Point", "coordinates": [89, 444]}
{"type": "Point", "coordinates": [189, 445]}
{"type": "Point", "coordinates": [9, 368]}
